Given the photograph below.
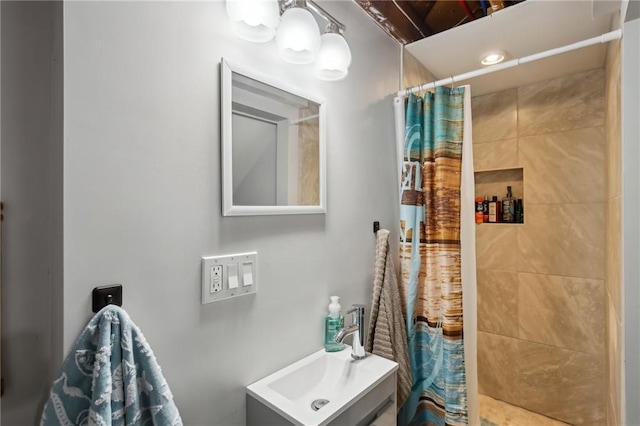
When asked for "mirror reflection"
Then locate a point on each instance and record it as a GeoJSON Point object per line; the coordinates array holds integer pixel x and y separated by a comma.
{"type": "Point", "coordinates": [274, 147]}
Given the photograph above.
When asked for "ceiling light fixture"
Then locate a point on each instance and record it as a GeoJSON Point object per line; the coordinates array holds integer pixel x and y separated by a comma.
{"type": "Point", "coordinates": [296, 32]}
{"type": "Point", "coordinates": [493, 57]}
{"type": "Point", "coordinates": [254, 20]}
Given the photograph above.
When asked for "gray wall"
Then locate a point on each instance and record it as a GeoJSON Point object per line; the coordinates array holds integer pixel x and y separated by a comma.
{"type": "Point", "coordinates": [28, 181]}
{"type": "Point", "coordinates": [142, 193]}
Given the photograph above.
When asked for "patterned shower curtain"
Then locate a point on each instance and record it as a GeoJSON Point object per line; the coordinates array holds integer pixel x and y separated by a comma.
{"type": "Point", "coordinates": [430, 258]}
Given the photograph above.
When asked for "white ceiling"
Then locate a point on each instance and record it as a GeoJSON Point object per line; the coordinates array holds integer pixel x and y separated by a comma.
{"type": "Point", "coordinates": [529, 27]}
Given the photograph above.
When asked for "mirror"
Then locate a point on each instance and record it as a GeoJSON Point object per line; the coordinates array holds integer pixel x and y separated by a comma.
{"type": "Point", "coordinates": [273, 146]}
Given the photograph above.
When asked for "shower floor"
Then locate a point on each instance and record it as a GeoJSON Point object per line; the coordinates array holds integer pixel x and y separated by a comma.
{"type": "Point", "coordinates": [494, 412]}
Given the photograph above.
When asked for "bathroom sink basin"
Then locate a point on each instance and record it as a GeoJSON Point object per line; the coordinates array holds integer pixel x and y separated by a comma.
{"type": "Point", "coordinates": [317, 389]}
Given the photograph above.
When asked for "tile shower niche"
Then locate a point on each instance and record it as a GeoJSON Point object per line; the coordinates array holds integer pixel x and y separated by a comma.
{"type": "Point", "coordinates": [494, 182]}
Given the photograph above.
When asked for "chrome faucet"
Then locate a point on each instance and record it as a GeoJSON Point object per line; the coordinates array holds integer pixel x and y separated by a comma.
{"type": "Point", "coordinates": [357, 329]}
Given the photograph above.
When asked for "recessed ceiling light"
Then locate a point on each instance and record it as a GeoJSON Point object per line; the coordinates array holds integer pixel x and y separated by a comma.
{"type": "Point", "coordinates": [493, 57]}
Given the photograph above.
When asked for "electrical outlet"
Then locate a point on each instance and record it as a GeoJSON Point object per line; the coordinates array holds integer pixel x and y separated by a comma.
{"type": "Point", "coordinates": [215, 282]}
{"type": "Point", "coordinates": [229, 276]}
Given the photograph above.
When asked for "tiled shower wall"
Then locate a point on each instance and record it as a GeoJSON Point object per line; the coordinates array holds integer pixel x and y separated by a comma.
{"type": "Point", "coordinates": [308, 163]}
{"type": "Point", "coordinates": [613, 262]}
{"type": "Point", "coordinates": [413, 72]}
{"type": "Point", "coordinates": [541, 289]}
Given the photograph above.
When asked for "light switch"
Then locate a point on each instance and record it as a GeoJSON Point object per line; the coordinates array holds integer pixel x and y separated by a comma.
{"type": "Point", "coordinates": [229, 276]}
{"type": "Point", "coordinates": [232, 274]}
{"type": "Point", "coordinates": [247, 273]}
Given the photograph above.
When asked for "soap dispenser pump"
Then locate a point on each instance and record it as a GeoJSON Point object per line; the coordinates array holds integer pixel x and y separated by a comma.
{"type": "Point", "coordinates": [333, 323]}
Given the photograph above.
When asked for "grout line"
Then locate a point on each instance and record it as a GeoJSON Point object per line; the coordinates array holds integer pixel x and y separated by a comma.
{"type": "Point", "coordinates": [537, 273]}
{"type": "Point", "coordinates": [568, 203]}
{"type": "Point", "coordinates": [496, 270]}
{"type": "Point", "coordinates": [562, 276]}
{"type": "Point", "coordinates": [496, 140]}
{"type": "Point", "coordinates": [542, 344]}
{"type": "Point", "coordinates": [562, 131]}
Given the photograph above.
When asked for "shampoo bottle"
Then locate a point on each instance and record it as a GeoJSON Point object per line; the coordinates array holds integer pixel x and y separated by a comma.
{"type": "Point", "coordinates": [508, 207]}
{"type": "Point", "coordinates": [495, 210]}
{"type": "Point", "coordinates": [479, 209]}
{"type": "Point", "coordinates": [485, 210]}
{"type": "Point", "coordinates": [518, 214]}
{"type": "Point", "coordinates": [333, 323]}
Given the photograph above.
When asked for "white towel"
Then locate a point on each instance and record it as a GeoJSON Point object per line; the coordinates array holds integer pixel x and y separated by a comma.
{"type": "Point", "coordinates": [387, 332]}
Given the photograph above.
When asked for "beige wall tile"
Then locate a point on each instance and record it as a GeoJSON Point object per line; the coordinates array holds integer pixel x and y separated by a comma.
{"type": "Point", "coordinates": [612, 419]}
{"type": "Point", "coordinates": [495, 116]}
{"type": "Point", "coordinates": [563, 312]}
{"type": "Point", "coordinates": [614, 161]}
{"type": "Point", "coordinates": [498, 302]}
{"type": "Point", "coordinates": [562, 384]}
{"type": "Point", "coordinates": [612, 120]}
{"type": "Point", "coordinates": [496, 247]}
{"type": "Point", "coordinates": [564, 167]}
{"type": "Point", "coordinates": [497, 366]}
{"type": "Point", "coordinates": [613, 267]}
{"type": "Point", "coordinates": [572, 102]}
{"type": "Point", "coordinates": [560, 369]}
{"type": "Point", "coordinates": [598, 422]}
{"type": "Point", "coordinates": [562, 239]}
{"type": "Point", "coordinates": [308, 163]}
{"type": "Point", "coordinates": [614, 361]}
{"type": "Point", "coordinates": [613, 254]}
{"type": "Point", "coordinates": [504, 414]}
{"type": "Point", "coordinates": [495, 155]}
{"type": "Point", "coordinates": [414, 73]}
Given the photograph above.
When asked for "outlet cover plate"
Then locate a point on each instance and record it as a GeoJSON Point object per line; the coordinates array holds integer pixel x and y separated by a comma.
{"type": "Point", "coordinates": [210, 292]}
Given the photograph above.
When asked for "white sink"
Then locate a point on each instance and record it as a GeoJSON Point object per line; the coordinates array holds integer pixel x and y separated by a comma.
{"type": "Point", "coordinates": [331, 376]}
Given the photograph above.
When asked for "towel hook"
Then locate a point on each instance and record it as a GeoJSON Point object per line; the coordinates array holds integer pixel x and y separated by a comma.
{"type": "Point", "coordinates": [376, 227]}
{"type": "Point", "coordinates": [107, 295]}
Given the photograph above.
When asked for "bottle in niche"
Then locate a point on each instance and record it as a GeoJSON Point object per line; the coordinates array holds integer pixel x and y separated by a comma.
{"type": "Point", "coordinates": [479, 208]}
{"type": "Point", "coordinates": [495, 210]}
{"type": "Point", "coordinates": [485, 210]}
{"type": "Point", "coordinates": [518, 218]}
{"type": "Point", "coordinates": [508, 207]}
{"type": "Point", "coordinates": [333, 323]}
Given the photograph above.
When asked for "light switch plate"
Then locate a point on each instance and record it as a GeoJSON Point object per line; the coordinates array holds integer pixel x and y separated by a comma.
{"type": "Point", "coordinates": [248, 273]}
{"type": "Point", "coordinates": [232, 276]}
{"type": "Point", "coordinates": [216, 288]}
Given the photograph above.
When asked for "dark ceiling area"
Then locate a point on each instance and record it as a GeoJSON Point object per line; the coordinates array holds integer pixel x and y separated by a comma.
{"type": "Point", "coordinates": [409, 21]}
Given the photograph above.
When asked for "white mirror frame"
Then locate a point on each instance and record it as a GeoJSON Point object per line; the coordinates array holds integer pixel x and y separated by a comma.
{"type": "Point", "coordinates": [228, 209]}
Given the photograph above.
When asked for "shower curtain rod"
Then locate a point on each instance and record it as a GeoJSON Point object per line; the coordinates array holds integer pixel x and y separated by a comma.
{"type": "Point", "coordinates": [604, 38]}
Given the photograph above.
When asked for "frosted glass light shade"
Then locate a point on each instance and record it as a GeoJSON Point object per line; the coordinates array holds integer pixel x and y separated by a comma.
{"type": "Point", "coordinates": [334, 58]}
{"type": "Point", "coordinates": [254, 20]}
{"type": "Point", "coordinates": [298, 36]}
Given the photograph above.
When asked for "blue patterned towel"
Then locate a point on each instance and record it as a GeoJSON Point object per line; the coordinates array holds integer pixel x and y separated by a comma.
{"type": "Point", "coordinates": [111, 377]}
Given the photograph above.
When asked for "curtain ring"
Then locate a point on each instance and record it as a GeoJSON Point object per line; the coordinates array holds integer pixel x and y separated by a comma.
{"type": "Point", "coordinates": [452, 83]}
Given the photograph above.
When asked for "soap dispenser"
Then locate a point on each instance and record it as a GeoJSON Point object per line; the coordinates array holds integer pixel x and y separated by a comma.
{"type": "Point", "coordinates": [333, 323]}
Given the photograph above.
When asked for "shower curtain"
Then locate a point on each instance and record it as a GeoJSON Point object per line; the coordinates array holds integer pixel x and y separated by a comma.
{"type": "Point", "coordinates": [430, 252]}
